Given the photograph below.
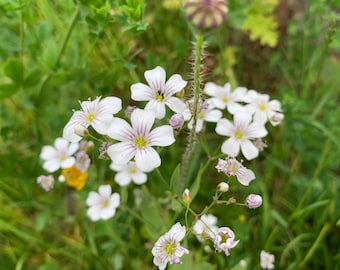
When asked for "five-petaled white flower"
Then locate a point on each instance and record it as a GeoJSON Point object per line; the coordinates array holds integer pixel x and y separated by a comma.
{"type": "Point", "coordinates": [102, 204]}
{"type": "Point", "coordinates": [232, 167]}
{"type": "Point", "coordinates": [159, 92]}
{"type": "Point", "coordinates": [241, 131]}
{"type": "Point", "coordinates": [263, 108]}
{"type": "Point", "coordinates": [224, 240]}
{"type": "Point", "coordinates": [267, 260]}
{"type": "Point", "coordinates": [127, 173]}
{"type": "Point", "coordinates": [59, 155]}
{"type": "Point", "coordinates": [223, 97]}
{"type": "Point", "coordinates": [205, 227]}
{"type": "Point", "coordinates": [137, 141]}
{"type": "Point", "coordinates": [167, 249]}
{"type": "Point", "coordinates": [97, 113]}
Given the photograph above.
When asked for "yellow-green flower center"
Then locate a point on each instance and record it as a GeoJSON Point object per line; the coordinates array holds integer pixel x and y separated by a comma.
{"type": "Point", "coordinates": [132, 170]}
{"type": "Point", "coordinates": [105, 203]}
{"type": "Point", "coordinates": [140, 142]}
{"type": "Point", "coordinates": [225, 99]}
{"type": "Point", "coordinates": [200, 115]}
{"type": "Point", "coordinates": [159, 96]}
{"type": "Point", "coordinates": [262, 107]}
{"type": "Point", "coordinates": [238, 134]}
{"type": "Point", "coordinates": [90, 117]}
{"type": "Point", "coordinates": [169, 248]}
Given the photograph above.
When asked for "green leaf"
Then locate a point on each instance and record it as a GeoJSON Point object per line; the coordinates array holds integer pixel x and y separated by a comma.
{"type": "Point", "coordinates": [174, 181]}
{"type": "Point", "coordinates": [7, 90]}
{"type": "Point", "coordinates": [14, 69]}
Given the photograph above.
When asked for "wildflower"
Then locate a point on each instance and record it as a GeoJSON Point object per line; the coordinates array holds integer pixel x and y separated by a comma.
{"type": "Point", "coordinates": [224, 240]}
{"type": "Point", "coordinates": [82, 161]}
{"type": "Point", "coordinates": [176, 121]}
{"type": "Point", "coordinates": [103, 150]}
{"type": "Point", "coordinates": [267, 260]}
{"type": "Point", "coordinates": [241, 131]}
{"type": "Point", "coordinates": [222, 187]}
{"type": "Point", "coordinates": [137, 141]}
{"type": "Point", "coordinates": [262, 108]}
{"type": "Point", "coordinates": [59, 155]}
{"type": "Point", "coordinates": [206, 14]}
{"type": "Point", "coordinates": [223, 97]}
{"type": "Point", "coordinates": [167, 249]}
{"type": "Point", "coordinates": [102, 204]}
{"type": "Point", "coordinates": [205, 228]}
{"type": "Point", "coordinates": [206, 112]}
{"type": "Point", "coordinates": [127, 173]}
{"type": "Point", "coordinates": [260, 144]}
{"type": "Point", "coordinates": [253, 201]}
{"type": "Point", "coordinates": [159, 92]}
{"type": "Point", "coordinates": [232, 167]}
{"type": "Point", "coordinates": [97, 113]}
{"type": "Point", "coordinates": [75, 177]}
{"type": "Point", "coordinates": [46, 182]}
{"type": "Point", "coordinates": [276, 118]}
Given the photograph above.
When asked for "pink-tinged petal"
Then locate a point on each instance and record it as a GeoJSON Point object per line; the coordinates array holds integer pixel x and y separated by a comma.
{"type": "Point", "coordinates": [105, 191]}
{"type": "Point", "coordinates": [107, 213]}
{"type": "Point", "coordinates": [256, 130]}
{"type": "Point", "coordinates": [213, 115]}
{"type": "Point", "coordinates": [110, 105]}
{"type": "Point", "coordinates": [68, 133]}
{"type": "Point", "coordinates": [90, 106]}
{"type": "Point", "coordinates": [186, 114]}
{"type": "Point", "coordinates": [156, 78]}
{"type": "Point", "coordinates": [176, 105]}
{"type": "Point", "coordinates": [246, 177]}
{"type": "Point", "coordinates": [249, 150]}
{"type": "Point", "coordinates": [120, 130]}
{"type": "Point", "coordinates": [142, 92]}
{"type": "Point", "coordinates": [139, 178]}
{"type": "Point", "coordinates": [242, 119]}
{"type": "Point", "coordinates": [122, 152]}
{"type": "Point", "coordinates": [212, 89]}
{"type": "Point", "coordinates": [224, 127]}
{"type": "Point", "coordinates": [115, 200]}
{"type": "Point", "coordinates": [93, 198]}
{"type": "Point", "coordinates": [147, 159]}
{"type": "Point", "coordinates": [157, 107]}
{"type": "Point", "coordinates": [48, 152]}
{"type": "Point", "coordinates": [161, 136]}
{"type": "Point", "coordinates": [102, 122]}
{"type": "Point", "coordinates": [142, 121]}
{"type": "Point", "coordinates": [67, 163]}
{"type": "Point", "coordinates": [231, 147]}
{"type": "Point", "coordinates": [178, 231]}
{"type": "Point", "coordinates": [160, 262]}
{"type": "Point", "coordinates": [94, 213]}
{"type": "Point", "coordinates": [174, 85]}
{"type": "Point", "coordinates": [51, 165]}
{"type": "Point", "coordinates": [122, 178]}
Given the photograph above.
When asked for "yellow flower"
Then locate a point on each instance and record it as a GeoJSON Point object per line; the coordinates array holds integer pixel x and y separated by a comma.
{"type": "Point", "coordinates": [74, 177]}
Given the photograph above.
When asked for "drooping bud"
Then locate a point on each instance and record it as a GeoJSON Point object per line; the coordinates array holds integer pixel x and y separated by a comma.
{"type": "Point", "coordinates": [253, 201]}
{"type": "Point", "coordinates": [176, 121]}
{"type": "Point", "coordinates": [222, 187]}
{"type": "Point", "coordinates": [81, 131]}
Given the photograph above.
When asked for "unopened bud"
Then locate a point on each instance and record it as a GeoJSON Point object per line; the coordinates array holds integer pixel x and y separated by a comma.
{"type": "Point", "coordinates": [176, 121]}
{"type": "Point", "coordinates": [186, 196]}
{"type": "Point", "coordinates": [222, 187]}
{"type": "Point", "coordinates": [253, 201]}
{"type": "Point", "coordinates": [81, 131]}
{"type": "Point", "coordinates": [276, 118]}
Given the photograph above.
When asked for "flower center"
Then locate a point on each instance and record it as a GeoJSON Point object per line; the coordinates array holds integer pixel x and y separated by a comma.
{"type": "Point", "coordinates": [238, 134]}
{"type": "Point", "coordinates": [225, 99]}
{"type": "Point", "coordinates": [200, 115]}
{"type": "Point", "coordinates": [159, 96]}
{"type": "Point", "coordinates": [105, 203]}
{"type": "Point", "coordinates": [132, 170]}
{"type": "Point", "coordinates": [90, 117]}
{"type": "Point", "coordinates": [140, 142]}
{"type": "Point", "coordinates": [224, 237]}
{"type": "Point", "coordinates": [262, 107]}
{"type": "Point", "coordinates": [169, 248]}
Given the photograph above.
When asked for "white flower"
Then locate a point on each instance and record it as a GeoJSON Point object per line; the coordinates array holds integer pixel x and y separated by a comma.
{"type": "Point", "coordinates": [127, 173]}
{"type": "Point", "coordinates": [137, 141]}
{"type": "Point", "coordinates": [159, 92]}
{"type": "Point", "coordinates": [59, 156]}
{"type": "Point", "coordinates": [205, 227]}
{"type": "Point", "coordinates": [46, 182]}
{"type": "Point", "coordinates": [262, 108]}
{"type": "Point", "coordinates": [167, 249]}
{"type": "Point", "coordinates": [232, 167]}
{"type": "Point", "coordinates": [102, 204]}
{"type": "Point", "coordinates": [223, 97]}
{"type": "Point", "coordinates": [97, 113]}
{"type": "Point", "coordinates": [267, 260]}
{"type": "Point", "coordinates": [224, 240]}
{"type": "Point", "coordinates": [206, 112]}
{"type": "Point", "coordinates": [241, 131]}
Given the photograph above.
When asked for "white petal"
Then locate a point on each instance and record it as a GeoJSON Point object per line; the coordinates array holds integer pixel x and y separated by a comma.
{"type": "Point", "coordinates": [176, 105]}
{"type": "Point", "coordinates": [93, 199]}
{"type": "Point", "coordinates": [211, 89]}
{"type": "Point", "coordinates": [121, 153]}
{"type": "Point", "coordinates": [246, 177]}
{"type": "Point", "coordinates": [107, 213]}
{"type": "Point", "coordinates": [257, 130]}
{"type": "Point", "coordinates": [174, 85]}
{"type": "Point", "coordinates": [51, 165]}
{"type": "Point", "coordinates": [115, 200]}
{"type": "Point", "coordinates": [117, 167]}
{"type": "Point", "coordinates": [155, 78]}
{"type": "Point", "coordinates": [101, 123]}
{"type": "Point", "coordinates": [243, 119]}
{"type": "Point", "coordinates": [231, 147]}
{"type": "Point", "coordinates": [94, 213]}
{"type": "Point", "coordinates": [61, 144]}
{"type": "Point", "coordinates": [139, 178]}
{"type": "Point", "coordinates": [178, 231]}
{"type": "Point", "coordinates": [120, 130]}
{"type": "Point", "coordinates": [142, 121]}
{"type": "Point", "coordinates": [161, 136]}
{"type": "Point", "coordinates": [67, 163]}
{"type": "Point", "coordinates": [249, 150]}
{"type": "Point", "coordinates": [274, 105]}
{"type": "Point", "coordinates": [213, 115]}
{"type": "Point", "coordinates": [68, 132]}
{"type": "Point", "coordinates": [157, 107]}
{"type": "Point", "coordinates": [224, 127]}
{"type": "Point", "coordinates": [147, 159]}
{"type": "Point", "coordinates": [48, 152]}
{"type": "Point", "coordinates": [122, 179]}
{"type": "Point", "coordinates": [110, 105]}
{"type": "Point", "coordinates": [142, 92]}
{"type": "Point", "coordinates": [105, 191]}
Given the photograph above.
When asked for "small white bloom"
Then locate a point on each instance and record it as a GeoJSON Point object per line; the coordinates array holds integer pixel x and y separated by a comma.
{"type": "Point", "coordinates": [97, 113]}
{"type": "Point", "coordinates": [159, 92]}
{"type": "Point", "coordinates": [260, 105]}
{"type": "Point", "coordinates": [205, 228]}
{"type": "Point", "coordinates": [137, 140]}
{"type": "Point", "coordinates": [223, 97]}
{"type": "Point", "coordinates": [127, 173]}
{"type": "Point", "coordinates": [102, 205]}
{"type": "Point", "coordinates": [241, 131]}
{"type": "Point", "coordinates": [167, 249]}
{"type": "Point", "coordinates": [232, 167]}
{"type": "Point", "coordinates": [59, 155]}
{"type": "Point", "coordinates": [46, 182]}
{"type": "Point", "coordinates": [224, 240]}
{"type": "Point", "coordinates": [267, 260]}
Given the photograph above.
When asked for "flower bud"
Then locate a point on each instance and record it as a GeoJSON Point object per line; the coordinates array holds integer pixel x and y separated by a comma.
{"type": "Point", "coordinates": [253, 201]}
{"type": "Point", "coordinates": [222, 187]}
{"type": "Point", "coordinates": [81, 131]}
{"type": "Point", "coordinates": [206, 13]}
{"type": "Point", "coordinates": [276, 118]}
{"type": "Point", "coordinates": [186, 196]}
{"type": "Point", "coordinates": [176, 121]}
